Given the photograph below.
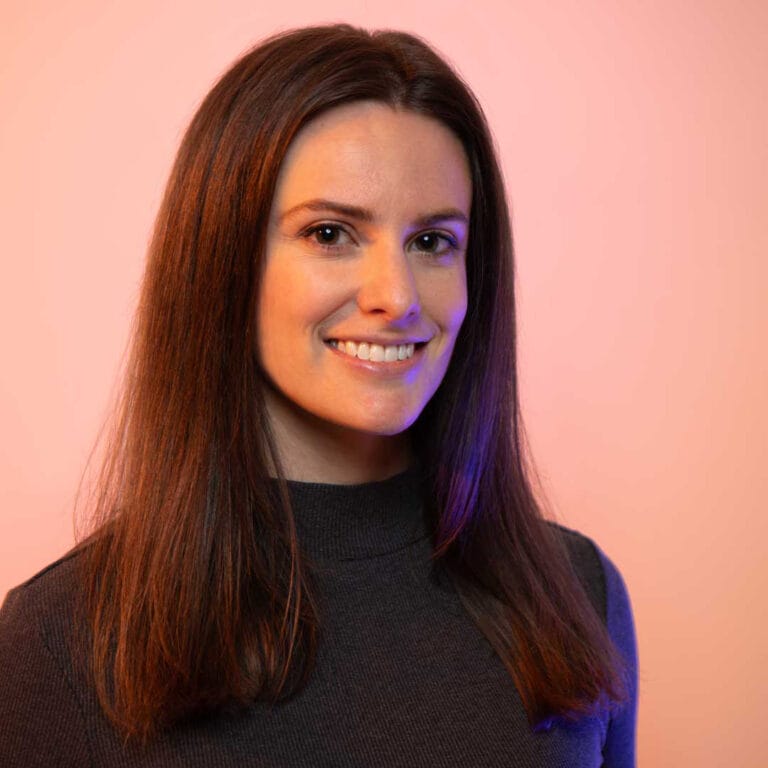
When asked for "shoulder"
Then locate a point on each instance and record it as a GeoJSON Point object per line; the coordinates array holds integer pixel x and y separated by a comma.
{"type": "Point", "coordinates": [39, 683]}
{"type": "Point", "coordinates": [584, 557]}
{"type": "Point", "coordinates": [599, 576]}
{"type": "Point", "coordinates": [43, 603]}
{"type": "Point", "coordinates": [606, 589]}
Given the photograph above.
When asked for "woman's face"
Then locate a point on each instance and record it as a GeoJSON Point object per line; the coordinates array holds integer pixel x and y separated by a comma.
{"type": "Point", "coordinates": [364, 289]}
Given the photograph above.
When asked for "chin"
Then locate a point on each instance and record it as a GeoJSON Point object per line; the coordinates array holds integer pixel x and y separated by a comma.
{"type": "Point", "coordinates": [385, 425]}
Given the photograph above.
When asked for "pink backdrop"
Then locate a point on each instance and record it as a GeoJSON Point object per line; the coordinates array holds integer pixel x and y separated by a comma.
{"type": "Point", "coordinates": [634, 146]}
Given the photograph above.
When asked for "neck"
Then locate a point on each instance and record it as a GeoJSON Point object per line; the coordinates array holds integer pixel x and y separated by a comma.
{"type": "Point", "coordinates": [312, 450]}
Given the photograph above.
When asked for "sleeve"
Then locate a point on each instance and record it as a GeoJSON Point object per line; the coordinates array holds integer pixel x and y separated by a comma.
{"type": "Point", "coordinates": [619, 749]}
{"type": "Point", "coordinates": [41, 722]}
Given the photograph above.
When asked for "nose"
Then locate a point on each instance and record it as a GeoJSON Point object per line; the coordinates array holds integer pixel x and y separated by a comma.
{"type": "Point", "coordinates": [388, 286]}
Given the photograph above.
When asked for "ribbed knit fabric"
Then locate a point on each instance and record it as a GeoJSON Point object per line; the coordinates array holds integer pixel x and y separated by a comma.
{"type": "Point", "coordinates": [403, 678]}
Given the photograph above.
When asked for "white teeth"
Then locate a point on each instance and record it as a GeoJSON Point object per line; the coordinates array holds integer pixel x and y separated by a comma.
{"type": "Point", "coordinates": [377, 353]}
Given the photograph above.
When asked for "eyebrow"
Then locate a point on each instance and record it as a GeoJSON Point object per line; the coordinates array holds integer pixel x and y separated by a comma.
{"type": "Point", "coordinates": [363, 214]}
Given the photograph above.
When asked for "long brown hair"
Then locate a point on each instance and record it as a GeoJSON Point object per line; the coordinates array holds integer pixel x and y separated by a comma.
{"type": "Point", "coordinates": [197, 594]}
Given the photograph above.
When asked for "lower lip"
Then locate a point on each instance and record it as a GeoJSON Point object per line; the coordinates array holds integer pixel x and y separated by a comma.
{"type": "Point", "coordinates": [396, 367]}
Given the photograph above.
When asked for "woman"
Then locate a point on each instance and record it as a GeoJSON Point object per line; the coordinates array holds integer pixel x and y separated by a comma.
{"type": "Point", "coordinates": [315, 542]}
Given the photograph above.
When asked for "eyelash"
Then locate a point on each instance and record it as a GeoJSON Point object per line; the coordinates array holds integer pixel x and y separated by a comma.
{"type": "Point", "coordinates": [452, 242]}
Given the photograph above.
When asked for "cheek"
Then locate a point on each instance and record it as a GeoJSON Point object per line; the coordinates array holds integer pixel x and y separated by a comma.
{"type": "Point", "coordinates": [295, 302]}
{"type": "Point", "coordinates": [446, 300]}
{"type": "Point", "coordinates": [277, 320]}
{"type": "Point", "coordinates": [459, 309]}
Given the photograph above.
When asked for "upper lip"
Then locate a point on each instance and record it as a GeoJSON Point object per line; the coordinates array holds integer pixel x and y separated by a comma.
{"type": "Point", "coordinates": [384, 341]}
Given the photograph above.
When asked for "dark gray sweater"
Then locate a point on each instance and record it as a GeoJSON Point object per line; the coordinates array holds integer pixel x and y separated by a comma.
{"type": "Point", "coordinates": [403, 678]}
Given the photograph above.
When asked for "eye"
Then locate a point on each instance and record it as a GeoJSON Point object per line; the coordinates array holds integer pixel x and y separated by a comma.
{"type": "Point", "coordinates": [327, 235]}
{"type": "Point", "coordinates": [430, 242]}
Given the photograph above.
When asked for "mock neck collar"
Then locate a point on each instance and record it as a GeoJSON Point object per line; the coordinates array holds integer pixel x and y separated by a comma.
{"type": "Point", "coordinates": [365, 520]}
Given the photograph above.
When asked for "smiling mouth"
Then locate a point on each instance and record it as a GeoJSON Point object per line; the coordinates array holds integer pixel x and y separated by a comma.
{"type": "Point", "coordinates": [376, 353]}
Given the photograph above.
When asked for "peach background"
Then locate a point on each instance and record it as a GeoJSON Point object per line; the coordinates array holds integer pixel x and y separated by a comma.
{"type": "Point", "coordinates": [634, 142]}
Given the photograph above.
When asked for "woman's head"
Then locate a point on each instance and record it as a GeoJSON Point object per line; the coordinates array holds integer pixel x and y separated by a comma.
{"type": "Point", "coordinates": [209, 296]}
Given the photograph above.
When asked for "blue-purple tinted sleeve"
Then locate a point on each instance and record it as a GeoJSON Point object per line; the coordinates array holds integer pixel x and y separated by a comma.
{"type": "Point", "coordinates": [620, 744]}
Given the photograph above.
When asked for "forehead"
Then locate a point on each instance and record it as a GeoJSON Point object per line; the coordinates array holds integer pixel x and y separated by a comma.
{"type": "Point", "coordinates": [372, 154]}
